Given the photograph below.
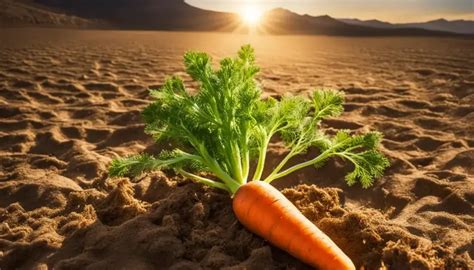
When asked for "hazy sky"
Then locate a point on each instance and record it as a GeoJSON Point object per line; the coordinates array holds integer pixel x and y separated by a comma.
{"type": "Point", "coordinates": [387, 10]}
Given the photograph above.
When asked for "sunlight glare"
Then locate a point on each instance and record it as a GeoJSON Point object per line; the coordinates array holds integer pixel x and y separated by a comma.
{"type": "Point", "coordinates": [251, 15]}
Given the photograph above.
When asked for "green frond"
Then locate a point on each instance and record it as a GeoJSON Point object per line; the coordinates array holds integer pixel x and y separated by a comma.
{"type": "Point", "coordinates": [226, 124]}
{"type": "Point", "coordinates": [361, 151]}
{"type": "Point", "coordinates": [342, 136]}
{"type": "Point", "coordinates": [133, 165]}
{"type": "Point", "coordinates": [198, 65]}
{"type": "Point", "coordinates": [321, 141]}
{"type": "Point", "coordinates": [177, 159]}
{"type": "Point", "coordinates": [328, 103]}
{"type": "Point", "coordinates": [368, 165]}
{"type": "Point", "coordinates": [138, 164]}
{"type": "Point", "coordinates": [344, 140]}
{"type": "Point", "coordinates": [247, 54]}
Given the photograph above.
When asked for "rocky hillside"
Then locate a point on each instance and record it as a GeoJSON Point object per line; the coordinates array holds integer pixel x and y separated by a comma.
{"type": "Point", "coordinates": [27, 13]}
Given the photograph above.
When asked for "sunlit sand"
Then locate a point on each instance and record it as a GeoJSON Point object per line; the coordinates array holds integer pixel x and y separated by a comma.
{"type": "Point", "coordinates": [70, 101]}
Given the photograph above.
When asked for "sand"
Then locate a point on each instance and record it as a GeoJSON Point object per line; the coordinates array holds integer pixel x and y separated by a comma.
{"type": "Point", "coordinates": [70, 101]}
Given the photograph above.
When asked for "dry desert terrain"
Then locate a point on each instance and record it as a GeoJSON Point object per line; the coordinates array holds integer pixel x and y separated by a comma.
{"type": "Point", "coordinates": [70, 101]}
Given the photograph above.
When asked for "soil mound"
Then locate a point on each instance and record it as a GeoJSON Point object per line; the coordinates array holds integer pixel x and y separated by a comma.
{"type": "Point", "coordinates": [193, 227]}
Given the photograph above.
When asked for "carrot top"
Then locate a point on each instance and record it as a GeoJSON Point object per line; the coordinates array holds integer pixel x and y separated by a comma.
{"type": "Point", "coordinates": [226, 125]}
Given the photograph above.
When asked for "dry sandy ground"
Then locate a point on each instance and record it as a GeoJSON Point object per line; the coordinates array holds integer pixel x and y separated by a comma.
{"type": "Point", "coordinates": [71, 100]}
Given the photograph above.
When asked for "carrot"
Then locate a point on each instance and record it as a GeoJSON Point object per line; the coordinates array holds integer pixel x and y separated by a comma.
{"type": "Point", "coordinates": [262, 209]}
{"type": "Point", "coordinates": [227, 126]}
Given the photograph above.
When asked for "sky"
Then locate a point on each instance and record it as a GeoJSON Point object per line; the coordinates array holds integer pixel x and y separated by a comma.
{"type": "Point", "coordinates": [386, 10]}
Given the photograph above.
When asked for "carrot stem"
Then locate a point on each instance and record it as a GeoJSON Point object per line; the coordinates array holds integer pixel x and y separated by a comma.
{"type": "Point", "coordinates": [203, 180]}
{"type": "Point", "coordinates": [261, 160]}
{"type": "Point", "coordinates": [245, 163]}
{"type": "Point", "coordinates": [281, 164]}
{"type": "Point", "coordinates": [313, 161]}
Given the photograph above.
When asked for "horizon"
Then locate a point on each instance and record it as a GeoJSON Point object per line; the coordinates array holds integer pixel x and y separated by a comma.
{"type": "Point", "coordinates": [419, 11]}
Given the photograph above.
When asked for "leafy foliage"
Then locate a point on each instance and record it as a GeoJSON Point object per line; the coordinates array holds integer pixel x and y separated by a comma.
{"type": "Point", "coordinates": [227, 123]}
{"type": "Point", "coordinates": [135, 165]}
{"type": "Point", "coordinates": [361, 151]}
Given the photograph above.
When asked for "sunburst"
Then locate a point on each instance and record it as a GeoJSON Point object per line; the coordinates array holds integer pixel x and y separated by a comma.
{"type": "Point", "coordinates": [251, 15]}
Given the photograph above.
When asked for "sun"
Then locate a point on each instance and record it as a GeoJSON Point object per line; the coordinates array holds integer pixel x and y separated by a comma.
{"type": "Point", "coordinates": [251, 15]}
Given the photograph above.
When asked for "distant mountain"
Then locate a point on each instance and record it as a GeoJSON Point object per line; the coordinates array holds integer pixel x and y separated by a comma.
{"type": "Point", "coordinates": [368, 23]}
{"type": "Point", "coordinates": [178, 15]}
{"type": "Point", "coordinates": [283, 21]}
{"type": "Point", "coordinates": [456, 26]}
{"type": "Point", "coordinates": [148, 14]}
{"type": "Point", "coordinates": [25, 13]}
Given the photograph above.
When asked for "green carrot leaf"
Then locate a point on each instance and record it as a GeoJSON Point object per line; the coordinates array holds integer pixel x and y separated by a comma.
{"type": "Point", "coordinates": [138, 164]}
{"type": "Point", "coordinates": [361, 151]}
{"type": "Point", "coordinates": [327, 103]}
{"type": "Point", "coordinates": [224, 125]}
{"type": "Point", "coordinates": [368, 165]}
{"type": "Point", "coordinates": [133, 165]}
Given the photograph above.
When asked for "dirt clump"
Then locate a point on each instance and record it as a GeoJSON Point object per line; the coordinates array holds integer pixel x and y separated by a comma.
{"type": "Point", "coordinates": [193, 227]}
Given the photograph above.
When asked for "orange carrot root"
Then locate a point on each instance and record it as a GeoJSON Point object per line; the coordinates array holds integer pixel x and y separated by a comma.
{"type": "Point", "coordinates": [262, 209]}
